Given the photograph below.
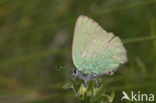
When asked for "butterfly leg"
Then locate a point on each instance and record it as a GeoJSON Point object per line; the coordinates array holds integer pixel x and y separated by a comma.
{"type": "Point", "coordinates": [97, 84]}
{"type": "Point", "coordinates": [85, 82]}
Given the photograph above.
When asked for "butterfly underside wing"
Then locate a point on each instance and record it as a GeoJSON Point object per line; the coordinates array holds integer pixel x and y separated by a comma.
{"type": "Point", "coordinates": [95, 51]}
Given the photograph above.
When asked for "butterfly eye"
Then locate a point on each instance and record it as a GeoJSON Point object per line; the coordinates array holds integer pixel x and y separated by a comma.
{"type": "Point", "coordinates": [74, 71]}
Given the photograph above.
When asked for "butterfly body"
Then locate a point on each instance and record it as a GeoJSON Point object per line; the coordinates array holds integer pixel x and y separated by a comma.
{"type": "Point", "coordinates": [85, 77]}
{"type": "Point", "coordinates": [95, 52]}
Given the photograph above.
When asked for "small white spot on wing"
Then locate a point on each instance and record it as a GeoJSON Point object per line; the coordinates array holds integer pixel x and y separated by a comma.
{"type": "Point", "coordinates": [84, 54]}
{"type": "Point", "coordinates": [122, 62]}
{"type": "Point", "coordinates": [94, 41]}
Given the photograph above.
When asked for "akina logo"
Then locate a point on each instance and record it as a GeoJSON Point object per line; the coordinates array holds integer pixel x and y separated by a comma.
{"type": "Point", "coordinates": [138, 96]}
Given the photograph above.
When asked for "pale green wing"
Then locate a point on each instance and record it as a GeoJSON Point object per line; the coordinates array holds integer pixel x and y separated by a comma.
{"type": "Point", "coordinates": [94, 50]}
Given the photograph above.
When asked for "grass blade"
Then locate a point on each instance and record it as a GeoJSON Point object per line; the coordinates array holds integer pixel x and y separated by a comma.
{"type": "Point", "coordinates": [102, 88]}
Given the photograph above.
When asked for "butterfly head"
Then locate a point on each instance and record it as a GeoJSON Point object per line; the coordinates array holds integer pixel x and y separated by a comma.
{"type": "Point", "coordinates": [84, 77]}
{"type": "Point", "coordinates": [75, 72]}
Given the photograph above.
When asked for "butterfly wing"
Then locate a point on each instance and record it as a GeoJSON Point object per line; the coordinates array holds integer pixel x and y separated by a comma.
{"type": "Point", "coordinates": [95, 51]}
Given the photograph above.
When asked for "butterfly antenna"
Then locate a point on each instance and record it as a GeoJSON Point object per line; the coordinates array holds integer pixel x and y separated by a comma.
{"type": "Point", "coordinates": [97, 84]}
{"type": "Point", "coordinates": [57, 67]}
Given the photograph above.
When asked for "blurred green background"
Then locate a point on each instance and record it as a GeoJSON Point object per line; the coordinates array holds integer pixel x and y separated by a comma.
{"type": "Point", "coordinates": [36, 35]}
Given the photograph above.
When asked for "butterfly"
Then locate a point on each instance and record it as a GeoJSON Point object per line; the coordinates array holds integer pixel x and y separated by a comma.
{"type": "Point", "coordinates": [95, 52]}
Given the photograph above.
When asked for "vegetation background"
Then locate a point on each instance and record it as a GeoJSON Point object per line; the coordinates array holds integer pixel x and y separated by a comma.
{"type": "Point", "coordinates": [36, 35]}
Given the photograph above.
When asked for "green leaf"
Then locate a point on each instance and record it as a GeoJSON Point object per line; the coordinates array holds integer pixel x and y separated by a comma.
{"type": "Point", "coordinates": [102, 88]}
{"type": "Point", "coordinates": [67, 86]}
{"type": "Point", "coordinates": [74, 86]}
{"type": "Point", "coordinates": [86, 98]}
{"type": "Point", "coordinates": [91, 86]}
{"type": "Point", "coordinates": [111, 97]}
{"type": "Point", "coordinates": [101, 98]}
{"type": "Point", "coordinates": [81, 92]}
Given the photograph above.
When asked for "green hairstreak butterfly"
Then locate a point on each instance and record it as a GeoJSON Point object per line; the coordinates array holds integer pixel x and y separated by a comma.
{"type": "Point", "coordinates": [95, 52]}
